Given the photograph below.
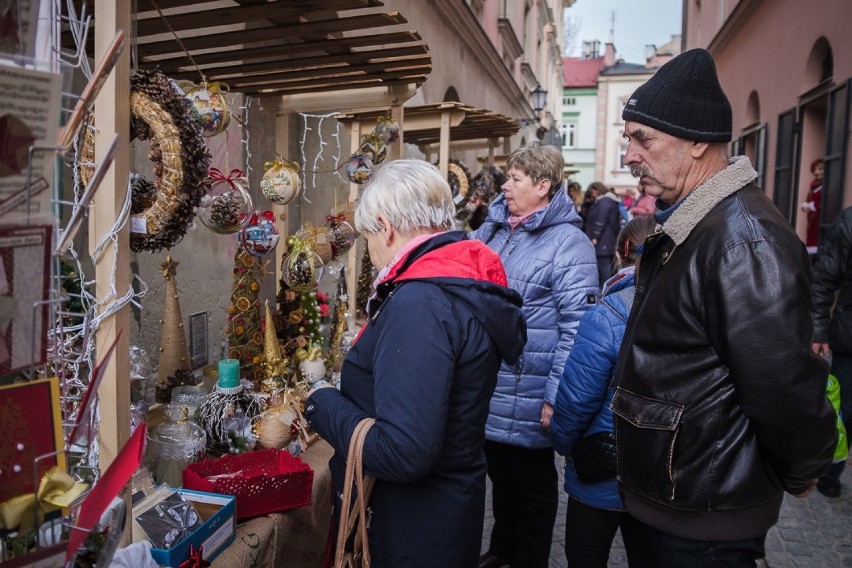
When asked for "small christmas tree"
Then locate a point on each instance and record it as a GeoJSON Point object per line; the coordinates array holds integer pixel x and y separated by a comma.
{"type": "Point", "coordinates": [244, 333]}
{"type": "Point", "coordinates": [365, 283]}
{"type": "Point", "coordinates": [174, 366]}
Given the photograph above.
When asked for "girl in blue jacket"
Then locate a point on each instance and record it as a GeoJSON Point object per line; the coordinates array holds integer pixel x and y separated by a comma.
{"type": "Point", "coordinates": [595, 511]}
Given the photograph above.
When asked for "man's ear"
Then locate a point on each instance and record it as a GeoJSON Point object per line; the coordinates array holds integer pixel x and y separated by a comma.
{"type": "Point", "coordinates": [698, 149]}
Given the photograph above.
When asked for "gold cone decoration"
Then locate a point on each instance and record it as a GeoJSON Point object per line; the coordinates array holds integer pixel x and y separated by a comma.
{"type": "Point", "coordinates": [274, 364]}
{"type": "Point", "coordinates": [174, 353]}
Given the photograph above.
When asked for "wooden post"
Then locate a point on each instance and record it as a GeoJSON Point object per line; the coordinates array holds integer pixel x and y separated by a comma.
{"type": "Point", "coordinates": [112, 115]}
{"type": "Point", "coordinates": [444, 148]}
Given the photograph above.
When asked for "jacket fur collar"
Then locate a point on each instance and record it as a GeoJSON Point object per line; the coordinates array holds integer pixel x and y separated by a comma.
{"type": "Point", "coordinates": [706, 196]}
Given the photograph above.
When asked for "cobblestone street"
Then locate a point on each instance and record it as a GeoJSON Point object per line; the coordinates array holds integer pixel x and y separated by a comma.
{"type": "Point", "coordinates": [815, 532]}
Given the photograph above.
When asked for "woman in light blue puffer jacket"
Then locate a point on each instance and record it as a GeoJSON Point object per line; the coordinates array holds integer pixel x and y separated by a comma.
{"type": "Point", "coordinates": [551, 263]}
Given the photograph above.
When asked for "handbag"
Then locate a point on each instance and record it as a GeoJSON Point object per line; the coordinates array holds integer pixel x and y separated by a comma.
{"type": "Point", "coordinates": [594, 458]}
{"type": "Point", "coordinates": [353, 516]}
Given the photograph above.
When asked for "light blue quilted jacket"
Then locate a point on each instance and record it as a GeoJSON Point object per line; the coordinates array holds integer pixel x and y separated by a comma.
{"type": "Point", "coordinates": [552, 264]}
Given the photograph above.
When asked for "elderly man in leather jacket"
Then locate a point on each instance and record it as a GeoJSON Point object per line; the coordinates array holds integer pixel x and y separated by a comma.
{"type": "Point", "coordinates": [720, 404]}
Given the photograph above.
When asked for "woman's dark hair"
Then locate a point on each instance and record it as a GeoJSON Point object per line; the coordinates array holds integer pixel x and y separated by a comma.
{"type": "Point", "coordinates": [631, 237]}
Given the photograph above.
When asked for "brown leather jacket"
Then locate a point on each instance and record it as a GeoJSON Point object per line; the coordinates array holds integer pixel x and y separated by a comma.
{"type": "Point", "coordinates": [720, 405]}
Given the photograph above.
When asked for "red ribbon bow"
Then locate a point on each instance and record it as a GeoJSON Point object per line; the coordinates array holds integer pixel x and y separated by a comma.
{"type": "Point", "coordinates": [338, 217]}
{"type": "Point", "coordinates": [216, 175]}
{"type": "Point", "coordinates": [196, 558]}
{"type": "Point", "coordinates": [255, 217]}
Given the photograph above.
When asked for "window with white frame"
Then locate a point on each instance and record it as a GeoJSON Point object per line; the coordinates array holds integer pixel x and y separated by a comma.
{"type": "Point", "coordinates": [622, 155]}
{"type": "Point", "coordinates": [569, 134]}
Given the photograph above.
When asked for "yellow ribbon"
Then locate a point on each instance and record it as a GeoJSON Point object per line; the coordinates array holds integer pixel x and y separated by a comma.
{"type": "Point", "coordinates": [216, 87]}
{"type": "Point", "coordinates": [56, 490]}
{"type": "Point", "coordinates": [312, 353]}
{"type": "Point", "coordinates": [276, 164]}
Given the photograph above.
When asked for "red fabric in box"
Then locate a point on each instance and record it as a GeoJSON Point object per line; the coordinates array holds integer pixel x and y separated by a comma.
{"type": "Point", "coordinates": [265, 481]}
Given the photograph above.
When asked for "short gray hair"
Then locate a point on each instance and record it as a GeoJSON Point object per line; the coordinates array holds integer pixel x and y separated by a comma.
{"type": "Point", "coordinates": [539, 162]}
{"type": "Point", "coordinates": [412, 194]}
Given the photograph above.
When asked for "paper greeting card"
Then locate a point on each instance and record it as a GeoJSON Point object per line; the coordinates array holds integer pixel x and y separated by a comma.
{"type": "Point", "coordinates": [30, 426]}
{"type": "Point", "coordinates": [24, 279]}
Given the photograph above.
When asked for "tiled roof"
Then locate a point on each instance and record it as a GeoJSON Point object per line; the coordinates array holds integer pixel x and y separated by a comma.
{"type": "Point", "coordinates": [577, 72]}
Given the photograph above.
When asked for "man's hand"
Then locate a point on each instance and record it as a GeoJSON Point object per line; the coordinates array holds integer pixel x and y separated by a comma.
{"type": "Point", "coordinates": [546, 413]}
{"type": "Point", "coordinates": [821, 349]}
{"type": "Point", "coordinates": [808, 490]}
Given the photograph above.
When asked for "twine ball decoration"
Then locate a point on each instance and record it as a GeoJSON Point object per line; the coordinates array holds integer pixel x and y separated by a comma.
{"type": "Point", "coordinates": [280, 183]}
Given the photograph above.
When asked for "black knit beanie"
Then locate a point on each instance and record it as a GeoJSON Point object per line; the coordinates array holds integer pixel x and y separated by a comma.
{"type": "Point", "coordinates": [684, 99]}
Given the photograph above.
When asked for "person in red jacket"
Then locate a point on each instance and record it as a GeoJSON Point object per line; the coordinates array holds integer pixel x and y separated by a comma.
{"type": "Point", "coordinates": [812, 205]}
{"type": "Point", "coordinates": [645, 204]}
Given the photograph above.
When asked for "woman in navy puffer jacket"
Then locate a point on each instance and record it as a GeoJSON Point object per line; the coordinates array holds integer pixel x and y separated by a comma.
{"type": "Point", "coordinates": [551, 263]}
{"type": "Point", "coordinates": [595, 511]}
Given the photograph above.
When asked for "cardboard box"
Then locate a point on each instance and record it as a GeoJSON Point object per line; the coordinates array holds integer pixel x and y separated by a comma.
{"type": "Point", "coordinates": [215, 534]}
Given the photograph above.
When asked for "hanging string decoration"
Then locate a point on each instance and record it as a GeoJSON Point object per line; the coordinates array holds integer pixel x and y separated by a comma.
{"type": "Point", "coordinates": [225, 209]}
{"type": "Point", "coordinates": [341, 234]}
{"type": "Point", "coordinates": [373, 146]}
{"type": "Point", "coordinates": [245, 339]}
{"type": "Point", "coordinates": [302, 268]}
{"type": "Point", "coordinates": [180, 160]}
{"type": "Point", "coordinates": [359, 168]}
{"type": "Point", "coordinates": [209, 107]}
{"type": "Point", "coordinates": [387, 128]}
{"type": "Point", "coordinates": [318, 239]}
{"type": "Point", "coordinates": [260, 236]}
{"type": "Point", "coordinates": [280, 183]}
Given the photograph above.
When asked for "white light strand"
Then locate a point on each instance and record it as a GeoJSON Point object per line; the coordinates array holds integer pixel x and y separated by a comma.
{"type": "Point", "coordinates": [246, 133]}
{"type": "Point", "coordinates": [302, 173]}
{"type": "Point", "coordinates": [318, 157]}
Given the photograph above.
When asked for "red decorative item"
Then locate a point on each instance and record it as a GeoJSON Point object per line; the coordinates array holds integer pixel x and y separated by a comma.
{"type": "Point", "coordinates": [264, 481]}
{"type": "Point", "coordinates": [196, 559]}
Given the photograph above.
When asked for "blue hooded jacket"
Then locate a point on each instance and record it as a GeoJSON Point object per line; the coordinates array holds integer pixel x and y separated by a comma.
{"type": "Point", "coordinates": [425, 367]}
{"type": "Point", "coordinates": [552, 264]}
{"type": "Point", "coordinates": [582, 402]}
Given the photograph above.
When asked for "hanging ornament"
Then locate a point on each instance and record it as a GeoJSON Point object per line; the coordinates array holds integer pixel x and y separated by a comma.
{"type": "Point", "coordinates": [341, 234]}
{"type": "Point", "coordinates": [387, 128]}
{"type": "Point", "coordinates": [318, 239]}
{"type": "Point", "coordinates": [210, 108]}
{"type": "Point", "coordinates": [374, 147]}
{"type": "Point", "coordinates": [260, 235]}
{"type": "Point", "coordinates": [225, 208]}
{"type": "Point", "coordinates": [302, 268]}
{"type": "Point", "coordinates": [359, 168]}
{"type": "Point", "coordinates": [280, 183]}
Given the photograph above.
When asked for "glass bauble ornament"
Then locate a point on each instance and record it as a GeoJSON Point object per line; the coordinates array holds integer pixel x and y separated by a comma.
{"type": "Point", "coordinates": [359, 168]}
{"type": "Point", "coordinates": [210, 108]}
{"type": "Point", "coordinates": [225, 209]}
{"type": "Point", "coordinates": [280, 183]}
{"type": "Point", "coordinates": [302, 269]}
{"type": "Point", "coordinates": [342, 236]}
{"type": "Point", "coordinates": [374, 147]}
{"type": "Point", "coordinates": [388, 129]}
{"type": "Point", "coordinates": [260, 236]}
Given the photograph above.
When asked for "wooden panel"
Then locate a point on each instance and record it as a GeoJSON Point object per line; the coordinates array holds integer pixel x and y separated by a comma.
{"type": "Point", "coordinates": [176, 61]}
{"type": "Point", "coordinates": [319, 87]}
{"type": "Point", "coordinates": [309, 30]}
{"type": "Point", "coordinates": [273, 69]}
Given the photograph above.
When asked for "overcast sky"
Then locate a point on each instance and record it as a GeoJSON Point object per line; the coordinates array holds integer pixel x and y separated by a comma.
{"type": "Point", "coordinates": [637, 23]}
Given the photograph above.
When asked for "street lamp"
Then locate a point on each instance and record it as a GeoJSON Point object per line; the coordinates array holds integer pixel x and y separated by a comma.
{"type": "Point", "coordinates": [538, 100]}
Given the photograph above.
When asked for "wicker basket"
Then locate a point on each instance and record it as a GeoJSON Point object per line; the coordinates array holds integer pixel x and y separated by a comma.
{"type": "Point", "coordinates": [264, 481]}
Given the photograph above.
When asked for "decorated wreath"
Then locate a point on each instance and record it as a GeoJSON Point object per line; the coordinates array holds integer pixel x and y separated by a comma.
{"type": "Point", "coordinates": [165, 207]}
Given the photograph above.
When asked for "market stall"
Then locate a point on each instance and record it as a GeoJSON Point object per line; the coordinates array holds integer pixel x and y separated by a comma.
{"type": "Point", "coordinates": [232, 428]}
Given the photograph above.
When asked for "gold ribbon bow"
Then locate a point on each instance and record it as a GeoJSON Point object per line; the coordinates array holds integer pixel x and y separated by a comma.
{"type": "Point", "coordinates": [276, 164]}
{"type": "Point", "coordinates": [56, 490]}
{"type": "Point", "coordinates": [312, 353]}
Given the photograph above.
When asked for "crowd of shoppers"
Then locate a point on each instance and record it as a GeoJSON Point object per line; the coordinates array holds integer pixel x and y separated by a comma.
{"type": "Point", "coordinates": [676, 359]}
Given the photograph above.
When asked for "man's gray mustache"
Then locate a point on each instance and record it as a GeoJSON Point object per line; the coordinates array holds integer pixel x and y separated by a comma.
{"type": "Point", "coordinates": [638, 171]}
